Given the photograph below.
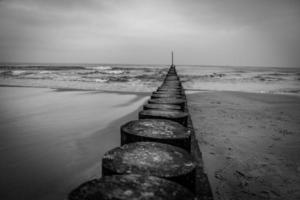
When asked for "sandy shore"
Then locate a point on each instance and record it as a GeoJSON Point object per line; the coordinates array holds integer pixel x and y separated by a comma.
{"type": "Point", "coordinates": [53, 140]}
{"type": "Point", "coordinates": [250, 143]}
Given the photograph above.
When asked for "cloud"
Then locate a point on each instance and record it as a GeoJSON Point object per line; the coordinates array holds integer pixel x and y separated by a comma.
{"type": "Point", "coordinates": [136, 31]}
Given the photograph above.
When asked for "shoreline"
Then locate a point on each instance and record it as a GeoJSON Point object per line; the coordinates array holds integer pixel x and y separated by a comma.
{"type": "Point", "coordinates": [56, 139]}
{"type": "Point", "coordinates": [93, 169]}
{"type": "Point", "coordinates": [193, 91]}
{"type": "Point", "coordinates": [249, 143]}
{"type": "Point", "coordinates": [79, 90]}
{"type": "Point", "coordinates": [188, 91]}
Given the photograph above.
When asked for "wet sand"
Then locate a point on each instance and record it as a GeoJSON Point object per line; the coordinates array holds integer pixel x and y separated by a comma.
{"type": "Point", "coordinates": [250, 143]}
{"type": "Point", "coordinates": [51, 141]}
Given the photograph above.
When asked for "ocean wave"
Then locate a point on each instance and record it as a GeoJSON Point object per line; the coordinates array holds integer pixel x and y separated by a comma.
{"type": "Point", "coordinates": [99, 68]}
{"type": "Point", "coordinates": [118, 76]}
{"type": "Point", "coordinates": [287, 91]}
{"type": "Point", "coordinates": [115, 72]}
{"type": "Point", "coordinates": [204, 76]}
{"type": "Point", "coordinates": [237, 77]}
{"type": "Point", "coordinates": [41, 67]}
{"type": "Point", "coordinates": [98, 80]}
{"type": "Point", "coordinates": [105, 70]}
{"type": "Point", "coordinates": [15, 72]}
{"type": "Point", "coordinates": [267, 78]}
{"type": "Point", "coordinates": [150, 77]}
{"type": "Point", "coordinates": [18, 72]}
{"type": "Point", "coordinates": [118, 79]}
{"type": "Point", "coordinates": [45, 72]}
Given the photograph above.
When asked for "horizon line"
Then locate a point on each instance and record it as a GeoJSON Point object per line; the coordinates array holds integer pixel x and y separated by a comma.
{"type": "Point", "coordinates": [136, 64]}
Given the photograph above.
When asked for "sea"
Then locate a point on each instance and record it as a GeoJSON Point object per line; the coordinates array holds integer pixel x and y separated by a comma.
{"type": "Point", "coordinates": [146, 78]}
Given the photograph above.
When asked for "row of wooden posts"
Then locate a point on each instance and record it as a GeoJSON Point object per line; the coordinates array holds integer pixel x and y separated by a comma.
{"type": "Point", "coordinates": [159, 157]}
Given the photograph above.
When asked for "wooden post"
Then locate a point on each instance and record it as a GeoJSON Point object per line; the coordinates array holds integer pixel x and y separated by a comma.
{"type": "Point", "coordinates": [154, 145]}
{"type": "Point", "coordinates": [131, 186]}
{"type": "Point", "coordinates": [154, 159]}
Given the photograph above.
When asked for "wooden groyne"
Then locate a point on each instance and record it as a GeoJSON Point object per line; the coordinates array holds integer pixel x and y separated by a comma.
{"type": "Point", "coordinates": [159, 156]}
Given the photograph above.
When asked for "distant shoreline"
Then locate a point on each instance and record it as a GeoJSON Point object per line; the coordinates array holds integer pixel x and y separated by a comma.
{"type": "Point", "coordinates": [77, 89]}
{"type": "Point", "coordinates": [191, 91]}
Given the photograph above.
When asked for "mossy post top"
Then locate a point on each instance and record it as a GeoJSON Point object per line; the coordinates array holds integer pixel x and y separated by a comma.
{"type": "Point", "coordinates": [154, 106]}
{"type": "Point", "coordinates": [128, 187]}
{"type": "Point", "coordinates": [151, 158]}
{"type": "Point", "coordinates": [156, 128]}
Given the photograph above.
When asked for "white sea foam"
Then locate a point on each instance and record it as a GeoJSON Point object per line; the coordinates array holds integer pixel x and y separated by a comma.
{"type": "Point", "coordinates": [18, 72]}
{"type": "Point", "coordinates": [115, 72]}
{"type": "Point", "coordinates": [101, 68]}
{"type": "Point", "coordinates": [45, 72]}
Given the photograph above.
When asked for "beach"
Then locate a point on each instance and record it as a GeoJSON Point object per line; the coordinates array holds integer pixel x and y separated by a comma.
{"type": "Point", "coordinates": [57, 121]}
{"type": "Point", "coordinates": [250, 143]}
{"type": "Point", "coordinates": [73, 72]}
{"type": "Point", "coordinates": [51, 140]}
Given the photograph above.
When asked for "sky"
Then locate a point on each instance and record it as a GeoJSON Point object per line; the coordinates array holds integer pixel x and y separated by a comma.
{"type": "Point", "coordinates": [201, 32]}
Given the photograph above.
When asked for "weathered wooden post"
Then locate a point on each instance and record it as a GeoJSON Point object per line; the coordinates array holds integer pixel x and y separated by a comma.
{"type": "Point", "coordinates": [172, 101]}
{"type": "Point", "coordinates": [128, 187]}
{"type": "Point", "coordinates": [157, 150]}
{"type": "Point", "coordinates": [151, 158]}
{"type": "Point", "coordinates": [172, 59]}
{"type": "Point", "coordinates": [173, 115]}
{"type": "Point", "coordinates": [161, 107]}
{"type": "Point", "coordinates": [156, 130]}
{"type": "Point", "coordinates": [166, 95]}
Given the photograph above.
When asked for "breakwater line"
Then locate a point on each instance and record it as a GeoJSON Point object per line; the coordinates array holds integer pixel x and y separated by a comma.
{"type": "Point", "coordinates": [159, 156]}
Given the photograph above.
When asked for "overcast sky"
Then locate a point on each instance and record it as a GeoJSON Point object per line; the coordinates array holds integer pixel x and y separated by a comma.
{"type": "Point", "coordinates": [215, 32]}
